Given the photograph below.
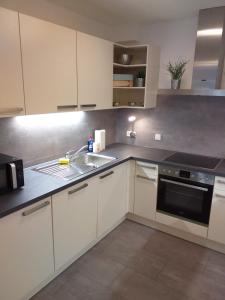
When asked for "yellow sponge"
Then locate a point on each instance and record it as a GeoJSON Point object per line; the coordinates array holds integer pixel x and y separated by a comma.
{"type": "Point", "coordinates": [64, 161]}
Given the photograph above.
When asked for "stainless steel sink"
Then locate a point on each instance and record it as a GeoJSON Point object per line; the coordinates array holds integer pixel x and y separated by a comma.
{"type": "Point", "coordinates": [80, 165]}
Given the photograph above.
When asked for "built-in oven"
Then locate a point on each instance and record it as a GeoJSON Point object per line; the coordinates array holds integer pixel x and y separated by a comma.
{"type": "Point", "coordinates": [184, 193]}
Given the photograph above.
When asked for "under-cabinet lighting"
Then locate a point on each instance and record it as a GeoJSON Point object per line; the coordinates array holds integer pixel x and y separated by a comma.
{"type": "Point", "coordinates": [50, 120]}
{"type": "Point", "coordinates": [210, 32]}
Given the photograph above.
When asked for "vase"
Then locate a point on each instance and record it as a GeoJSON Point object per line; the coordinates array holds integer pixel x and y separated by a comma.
{"type": "Point", "coordinates": [175, 84]}
{"type": "Point", "coordinates": [140, 82]}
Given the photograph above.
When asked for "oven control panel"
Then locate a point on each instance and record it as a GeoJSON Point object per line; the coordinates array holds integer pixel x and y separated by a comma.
{"type": "Point", "coordinates": [187, 174]}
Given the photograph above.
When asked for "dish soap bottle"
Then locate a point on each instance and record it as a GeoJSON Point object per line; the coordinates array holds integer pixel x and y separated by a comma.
{"type": "Point", "coordinates": [90, 144]}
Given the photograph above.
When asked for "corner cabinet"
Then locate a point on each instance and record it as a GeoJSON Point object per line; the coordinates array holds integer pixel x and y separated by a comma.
{"type": "Point", "coordinates": [49, 66]}
{"type": "Point", "coordinates": [11, 81]}
{"type": "Point", "coordinates": [113, 200]}
{"type": "Point", "coordinates": [95, 68]}
{"type": "Point", "coordinates": [74, 221]}
{"type": "Point", "coordinates": [144, 59]}
{"type": "Point", "coordinates": [26, 255]}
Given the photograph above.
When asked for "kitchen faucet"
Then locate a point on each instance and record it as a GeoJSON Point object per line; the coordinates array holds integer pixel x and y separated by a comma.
{"type": "Point", "coordinates": [73, 152]}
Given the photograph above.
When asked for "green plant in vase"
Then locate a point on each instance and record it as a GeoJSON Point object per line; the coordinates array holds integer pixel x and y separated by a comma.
{"type": "Point", "coordinates": [176, 71]}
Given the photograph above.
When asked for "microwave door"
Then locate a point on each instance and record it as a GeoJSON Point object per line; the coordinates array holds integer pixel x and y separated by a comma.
{"type": "Point", "coordinates": [13, 175]}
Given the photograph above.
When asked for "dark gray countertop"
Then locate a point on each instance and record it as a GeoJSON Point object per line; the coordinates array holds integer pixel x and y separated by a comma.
{"type": "Point", "coordinates": [39, 186]}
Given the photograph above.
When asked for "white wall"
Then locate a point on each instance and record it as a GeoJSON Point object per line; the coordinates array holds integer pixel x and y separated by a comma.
{"type": "Point", "coordinates": [47, 11]}
{"type": "Point", "coordinates": [176, 39]}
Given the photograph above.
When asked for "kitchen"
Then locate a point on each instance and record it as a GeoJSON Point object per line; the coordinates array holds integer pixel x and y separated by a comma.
{"type": "Point", "coordinates": [142, 216]}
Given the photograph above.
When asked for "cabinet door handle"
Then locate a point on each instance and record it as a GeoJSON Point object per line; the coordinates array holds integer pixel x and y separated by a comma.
{"type": "Point", "coordinates": [148, 167]}
{"type": "Point", "coordinates": [34, 209]}
{"type": "Point", "coordinates": [220, 196]}
{"type": "Point", "coordinates": [66, 107]}
{"type": "Point", "coordinates": [147, 178]}
{"type": "Point", "coordinates": [106, 175]}
{"type": "Point", "coordinates": [78, 189]}
{"type": "Point", "coordinates": [11, 110]}
{"type": "Point", "coordinates": [88, 105]}
{"type": "Point", "coordinates": [220, 181]}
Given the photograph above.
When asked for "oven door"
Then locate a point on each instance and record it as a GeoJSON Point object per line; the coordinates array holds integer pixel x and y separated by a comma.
{"type": "Point", "coordinates": [184, 198]}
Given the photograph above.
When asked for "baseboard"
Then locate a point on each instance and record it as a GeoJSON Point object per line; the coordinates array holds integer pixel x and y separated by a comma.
{"type": "Point", "coordinates": [178, 233]}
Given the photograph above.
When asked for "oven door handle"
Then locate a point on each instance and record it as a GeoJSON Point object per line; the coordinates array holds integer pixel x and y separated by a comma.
{"type": "Point", "coordinates": [191, 186]}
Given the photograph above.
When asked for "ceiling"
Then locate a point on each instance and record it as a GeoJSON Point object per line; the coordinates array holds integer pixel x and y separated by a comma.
{"type": "Point", "coordinates": [116, 12]}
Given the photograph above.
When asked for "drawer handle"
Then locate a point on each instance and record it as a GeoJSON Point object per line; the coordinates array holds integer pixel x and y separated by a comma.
{"type": "Point", "coordinates": [88, 105]}
{"type": "Point", "coordinates": [66, 106]}
{"type": "Point", "coordinates": [34, 209]}
{"type": "Point", "coordinates": [78, 189]}
{"type": "Point", "coordinates": [147, 178]}
{"type": "Point", "coordinates": [106, 175]}
{"type": "Point", "coordinates": [220, 196]}
{"type": "Point", "coordinates": [220, 181]}
{"type": "Point", "coordinates": [148, 167]}
{"type": "Point", "coordinates": [11, 110]}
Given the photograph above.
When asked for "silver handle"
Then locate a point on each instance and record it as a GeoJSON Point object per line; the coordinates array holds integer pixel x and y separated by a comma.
{"type": "Point", "coordinates": [186, 185]}
{"type": "Point", "coordinates": [220, 196]}
{"type": "Point", "coordinates": [148, 167]}
{"type": "Point", "coordinates": [106, 175]}
{"type": "Point", "coordinates": [220, 181]}
{"type": "Point", "coordinates": [11, 110]}
{"type": "Point", "coordinates": [34, 209]}
{"type": "Point", "coordinates": [78, 189]}
{"type": "Point", "coordinates": [66, 106]}
{"type": "Point", "coordinates": [13, 174]}
{"type": "Point", "coordinates": [88, 105]}
{"type": "Point", "coordinates": [147, 178]}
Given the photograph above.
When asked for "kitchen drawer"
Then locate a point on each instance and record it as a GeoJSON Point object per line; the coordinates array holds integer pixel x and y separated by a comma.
{"type": "Point", "coordinates": [219, 183]}
{"type": "Point", "coordinates": [146, 169]}
{"type": "Point", "coordinates": [182, 225]}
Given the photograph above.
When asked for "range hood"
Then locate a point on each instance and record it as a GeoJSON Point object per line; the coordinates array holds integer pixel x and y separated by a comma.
{"type": "Point", "coordinates": [209, 71]}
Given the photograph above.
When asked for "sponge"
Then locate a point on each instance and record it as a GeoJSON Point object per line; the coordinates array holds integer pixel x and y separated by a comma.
{"type": "Point", "coordinates": [64, 161]}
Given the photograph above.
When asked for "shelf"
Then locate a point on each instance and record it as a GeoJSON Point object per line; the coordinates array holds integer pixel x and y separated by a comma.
{"type": "Point", "coordinates": [192, 92]}
{"type": "Point", "coordinates": [128, 106]}
{"type": "Point", "coordinates": [129, 87]}
{"type": "Point", "coordinates": [129, 66]}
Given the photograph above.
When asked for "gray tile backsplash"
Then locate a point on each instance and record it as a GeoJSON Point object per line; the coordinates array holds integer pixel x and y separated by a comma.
{"type": "Point", "coordinates": [39, 138]}
{"type": "Point", "coordinates": [188, 123]}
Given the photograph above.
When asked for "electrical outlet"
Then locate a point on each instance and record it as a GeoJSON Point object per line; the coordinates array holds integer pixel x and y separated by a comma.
{"type": "Point", "coordinates": [128, 133]}
{"type": "Point", "coordinates": [158, 137]}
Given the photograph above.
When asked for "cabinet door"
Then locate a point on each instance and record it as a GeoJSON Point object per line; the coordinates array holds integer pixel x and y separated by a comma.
{"type": "Point", "coordinates": [216, 230]}
{"type": "Point", "coordinates": [74, 220]}
{"type": "Point", "coordinates": [26, 254]}
{"type": "Point", "coordinates": [49, 65]}
{"type": "Point", "coordinates": [145, 192]}
{"type": "Point", "coordinates": [95, 69]}
{"type": "Point", "coordinates": [112, 202]}
{"type": "Point", "coordinates": [11, 83]}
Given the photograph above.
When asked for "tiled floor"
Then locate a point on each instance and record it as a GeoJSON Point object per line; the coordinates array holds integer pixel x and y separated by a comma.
{"type": "Point", "coordinates": [135, 262]}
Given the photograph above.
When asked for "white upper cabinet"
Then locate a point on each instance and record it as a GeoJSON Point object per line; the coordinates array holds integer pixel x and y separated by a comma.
{"type": "Point", "coordinates": [95, 69]}
{"type": "Point", "coordinates": [11, 82]}
{"type": "Point", "coordinates": [49, 65]}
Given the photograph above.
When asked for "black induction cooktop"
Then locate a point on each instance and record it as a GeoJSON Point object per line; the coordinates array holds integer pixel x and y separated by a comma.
{"type": "Point", "coordinates": [200, 161]}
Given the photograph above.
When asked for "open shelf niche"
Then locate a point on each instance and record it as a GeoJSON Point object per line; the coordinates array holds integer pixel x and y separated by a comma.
{"type": "Point", "coordinates": [144, 58]}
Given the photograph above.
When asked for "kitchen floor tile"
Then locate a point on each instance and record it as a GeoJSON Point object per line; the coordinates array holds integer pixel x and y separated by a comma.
{"type": "Point", "coordinates": [137, 262]}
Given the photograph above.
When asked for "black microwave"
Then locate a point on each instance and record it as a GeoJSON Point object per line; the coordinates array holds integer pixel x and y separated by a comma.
{"type": "Point", "coordinates": [11, 173]}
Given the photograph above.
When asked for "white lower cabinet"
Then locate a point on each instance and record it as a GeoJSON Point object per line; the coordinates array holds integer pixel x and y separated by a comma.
{"type": "Point", "coordinates": [26, 253]}
{"type": "Point", "coordinates": [146, 182]}
{"type": "Point", "coordinates": [74, 220]}
{"type": "Point", "coordinates": [113, 200]}
{"type": "Point", "coordinates": [216, 230]}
